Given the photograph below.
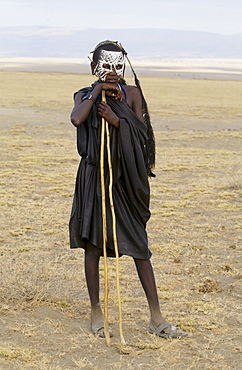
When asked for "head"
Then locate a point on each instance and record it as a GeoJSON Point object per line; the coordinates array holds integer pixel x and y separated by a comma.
{"type": "Point", "coordinates": [108, 60]}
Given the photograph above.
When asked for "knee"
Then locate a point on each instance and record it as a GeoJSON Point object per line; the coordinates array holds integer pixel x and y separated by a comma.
{"type": "Point", "coordinates": [140, 261]}
{"type": "Point", "coordinates": [92, 250]}
{"type": "Point", "coordinates": [142, 264]}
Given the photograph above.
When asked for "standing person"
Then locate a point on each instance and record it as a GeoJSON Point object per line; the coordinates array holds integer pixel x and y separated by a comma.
{"type": "Point", "coordinates": [132, 153]}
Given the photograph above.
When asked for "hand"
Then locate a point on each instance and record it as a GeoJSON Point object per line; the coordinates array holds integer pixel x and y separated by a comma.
{"type": "Point", "coordinates": [106, 112]}
{"type": "Point", "coordinates": [112, 90]}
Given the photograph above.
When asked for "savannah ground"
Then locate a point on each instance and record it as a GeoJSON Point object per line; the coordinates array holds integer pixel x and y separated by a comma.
{"type": "Point", "coordinates": [194, 232]}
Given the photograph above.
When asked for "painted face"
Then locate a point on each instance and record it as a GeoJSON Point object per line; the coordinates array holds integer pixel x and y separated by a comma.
{"type": "Point", "coordinates": [109, 61]}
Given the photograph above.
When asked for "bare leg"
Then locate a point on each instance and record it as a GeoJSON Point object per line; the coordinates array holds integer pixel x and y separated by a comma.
{"type": "Point", "coordinates": [146, 275]}
{"type": "Point", "coordinates": [158, 324]}
{"type": "Point", "coordinates": [92, 257]}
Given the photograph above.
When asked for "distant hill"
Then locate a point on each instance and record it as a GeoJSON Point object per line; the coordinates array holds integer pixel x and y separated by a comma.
{"type": "Point", "coordinates": [140, 43]}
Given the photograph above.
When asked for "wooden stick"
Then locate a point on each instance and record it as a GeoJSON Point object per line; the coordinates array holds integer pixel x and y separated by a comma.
{"type": "Point", "coordinates": [104, 218]}
{"type": "Point", "coordinates": [114, 233]}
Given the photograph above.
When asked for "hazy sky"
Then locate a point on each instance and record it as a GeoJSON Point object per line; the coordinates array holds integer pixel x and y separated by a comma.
{"type": "Point", "coordinates": [219, 16]}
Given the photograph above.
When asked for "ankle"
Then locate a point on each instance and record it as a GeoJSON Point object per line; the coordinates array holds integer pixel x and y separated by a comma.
{"type": "Point", "coordinates": [96, 313]}
{"type": "Point", "coordinates": [157, 319]}
{"type": "Point", "coordinates": [95, 306]}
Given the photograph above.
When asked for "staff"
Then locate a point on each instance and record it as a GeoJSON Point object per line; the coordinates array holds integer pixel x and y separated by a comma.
{"type": "Point", "coordinates": [105, 130]}
{"type": "Point", "coordinates": [104, 218]}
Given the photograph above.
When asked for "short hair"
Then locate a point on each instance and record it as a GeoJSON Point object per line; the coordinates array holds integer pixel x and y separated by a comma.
{"type": "Point", "coordinates": [106, 45]}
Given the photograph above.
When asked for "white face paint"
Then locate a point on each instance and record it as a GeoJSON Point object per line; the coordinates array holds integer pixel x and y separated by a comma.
{"type": "Point", "coordinates": [109, 61]}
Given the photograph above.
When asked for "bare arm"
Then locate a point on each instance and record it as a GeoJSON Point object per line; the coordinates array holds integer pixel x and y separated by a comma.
{"type": "Point", "coordinates": [137, 104]}
{"type": "Point", "coordinates": [134, 100]}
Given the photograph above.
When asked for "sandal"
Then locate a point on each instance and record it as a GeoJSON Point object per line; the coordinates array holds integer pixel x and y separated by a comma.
{"type": "Point", "coordinates": [166, 330]}
{"type": "Point", "coordinates": [98, 330]}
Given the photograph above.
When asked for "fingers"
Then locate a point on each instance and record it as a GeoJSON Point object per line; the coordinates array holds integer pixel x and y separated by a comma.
{"type": "Point", "coordinates": [107, 86]}
{"type": "Point", "coordinates": [103, 108]}
{"type": "Point", "coordinates": [103, 105]}
{"type": "Point", "coordinates": [114, 94]}
{"type": "Point", "coordinates": [113, 91]}
{"type": "Point", "coordinates": [119, 96]}
{"type": "Point", "coordinates": [106, 112]}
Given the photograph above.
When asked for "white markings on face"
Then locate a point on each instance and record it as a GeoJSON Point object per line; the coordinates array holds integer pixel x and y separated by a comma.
{"type": "Point", "coordinates": [109, 61]}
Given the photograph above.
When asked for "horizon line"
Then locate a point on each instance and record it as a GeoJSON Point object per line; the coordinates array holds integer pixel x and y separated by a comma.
{"type": "Point", "coordinates": [121, 29]}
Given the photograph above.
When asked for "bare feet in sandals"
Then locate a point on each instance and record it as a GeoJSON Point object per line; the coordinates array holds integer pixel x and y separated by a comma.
{"type": "Point", "coordinates": [98, 329]}
{"type": "Point", "coordinates": [97, 322]}
{"type": "Point", "coordinates": [166, 330]}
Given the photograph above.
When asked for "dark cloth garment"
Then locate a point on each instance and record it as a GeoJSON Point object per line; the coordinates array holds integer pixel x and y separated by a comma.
{"type": "Point", "coordinates": [131, 191]}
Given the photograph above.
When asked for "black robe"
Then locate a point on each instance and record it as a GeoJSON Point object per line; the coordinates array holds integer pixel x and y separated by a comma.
{"type": "Point", "coordinates": [131, 193]}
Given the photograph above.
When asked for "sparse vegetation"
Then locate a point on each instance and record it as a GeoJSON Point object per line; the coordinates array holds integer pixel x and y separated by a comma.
{"type": "Point", "coordinates": [194, 231]}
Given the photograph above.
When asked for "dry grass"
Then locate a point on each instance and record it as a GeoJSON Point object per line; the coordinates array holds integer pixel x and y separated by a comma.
{"type": "Point", "coordinates": [195, 231]}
